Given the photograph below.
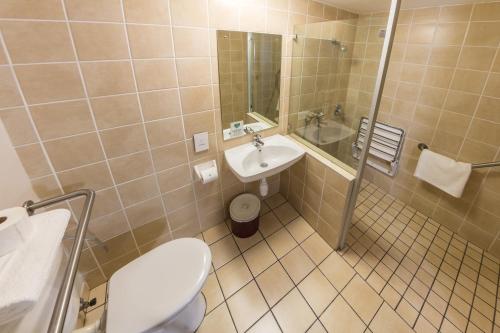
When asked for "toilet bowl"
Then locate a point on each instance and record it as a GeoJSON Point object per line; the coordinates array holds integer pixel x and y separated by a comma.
{"type": "Point", "coordinates": [161, 290]}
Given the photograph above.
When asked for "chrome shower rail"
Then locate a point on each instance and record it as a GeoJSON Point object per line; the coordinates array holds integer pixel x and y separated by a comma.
{"type": "Point", "coordinates": [56, 324]}
{"type": "Point", "coordinates": [423, 146]}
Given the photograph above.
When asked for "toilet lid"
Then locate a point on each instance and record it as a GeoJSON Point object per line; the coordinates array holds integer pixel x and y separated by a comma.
{"type": "Point", "coordinates": [156, 286]}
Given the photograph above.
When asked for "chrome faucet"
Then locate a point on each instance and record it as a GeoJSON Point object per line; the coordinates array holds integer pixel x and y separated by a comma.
{"type": "Point", "coordinates": [315, 115]}
{"type": "Point", "coordinates": [338, 111]}
{"type": "Point", "coordinates": [257, 141]}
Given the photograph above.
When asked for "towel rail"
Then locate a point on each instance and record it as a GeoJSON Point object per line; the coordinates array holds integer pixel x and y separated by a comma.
{"type": "Point", "coordinates": [423, 146]}
{"type": "Point", "coordinates": [58, 318]}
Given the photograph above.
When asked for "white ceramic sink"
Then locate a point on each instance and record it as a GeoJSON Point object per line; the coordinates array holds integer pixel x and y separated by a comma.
{"type": "Point", "coordinates": [249, 164]}
{"type": "Point", "coordinates": [325, 134]}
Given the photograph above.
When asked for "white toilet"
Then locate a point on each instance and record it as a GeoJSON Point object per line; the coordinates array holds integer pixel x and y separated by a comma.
{"type": "Point", "coordinates": [161, 290]}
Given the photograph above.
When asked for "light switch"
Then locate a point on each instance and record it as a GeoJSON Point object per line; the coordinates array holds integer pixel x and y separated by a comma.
{"type": "Point", "coordinates": [200, 142]}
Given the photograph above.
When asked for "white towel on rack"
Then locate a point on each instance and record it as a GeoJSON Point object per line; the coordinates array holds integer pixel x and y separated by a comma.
{"type": "Point", "coordinates": [443, 172]}
{"type": "Point", "coordinates": [25, 273]}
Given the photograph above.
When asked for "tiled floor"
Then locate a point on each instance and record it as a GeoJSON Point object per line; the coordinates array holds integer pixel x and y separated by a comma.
{"type": "Point", "coordinates": [400, 271]}
{"type": "Point", "coordinates": [433, 278]}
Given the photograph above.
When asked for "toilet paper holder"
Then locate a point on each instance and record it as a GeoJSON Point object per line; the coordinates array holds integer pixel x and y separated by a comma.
{"type": "Point", "coordinates": [199, 168]}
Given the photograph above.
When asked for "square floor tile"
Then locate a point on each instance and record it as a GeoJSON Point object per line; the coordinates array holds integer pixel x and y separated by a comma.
{"type": "Point", "coordinates": [363, 299]}
{"type": "Point", "coordinates": [275, 200]}
{"type": "Point", "coordinates": [407, 312]}
{"type": "Point", "coordinates": [219, 320]}
{"type": "Point", "coordinates": [286, 213]}
{"type": "Point", "coordinates": [215, 233]}
{"type": "Point", "coordinates": [268, 224]}
{"type": "Point", "coordinates": [300, 229]}
{"type": "Point", "coordinates": [387, 321]}
{"type": "Point", "coordinates": [246, 243]}
{"type": "Point", "coordinates": [339, 317]}
{"type": "Point", "coordinates": [212, 292]}
{"type": "Point", "coordinates": [265, 324]}
{"type": "Point", "coordinates": [297, 264]}
{"type": "Point", "coordinates": [336, 270]}
{"type": "Point", "coordinates": [316, 248]}
{"type": "Point", "coordinates": [281, 242]}
{"type": "Point", "coordinates": [223, 251]}
{"type": "Point", "coordinates": [259, 258]}
{"type": "Point", "coordinates": [233, 275]}
{"type": "Point", "coordinates": [274, 283]}
{"type": "Point", "coordinates": [317, 327]}
{"type": "Point", "coordinates": [247, 306]}
{"type": "Point", "coordinates": [293, 313]}
{"type": "Point", "coordinates": [317, 291]}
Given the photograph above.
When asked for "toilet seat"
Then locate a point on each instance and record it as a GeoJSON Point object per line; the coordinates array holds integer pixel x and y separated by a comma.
{"type": "Point", "coordinates": [155, 287]}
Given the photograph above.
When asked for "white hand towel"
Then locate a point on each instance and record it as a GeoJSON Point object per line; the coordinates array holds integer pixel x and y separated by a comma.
{"type": "Point", "coordinates": [25, 272]}
{"type": "Point", "coordinates": [443, 172]}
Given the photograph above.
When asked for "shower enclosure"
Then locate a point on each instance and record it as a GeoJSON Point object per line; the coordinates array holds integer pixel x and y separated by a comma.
{"type": "Point", "coordinates": [337, 74]}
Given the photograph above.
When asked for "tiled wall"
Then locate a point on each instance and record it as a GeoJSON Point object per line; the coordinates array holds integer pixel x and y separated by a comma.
{"type": "Point", "coordinates": [107, 95]}
{"type": "Point", "coordinates": [233, 79]}
{"type": "Point", "coordinates": [443, 88]}
{"type": "Point", "coordinates": [320, 191]}
{"type": "Point", "coordinates": [320, 70]}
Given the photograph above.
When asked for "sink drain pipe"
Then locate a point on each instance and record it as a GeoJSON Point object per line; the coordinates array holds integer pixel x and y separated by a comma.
{"type": "Point", "coordinates": [263, 187]}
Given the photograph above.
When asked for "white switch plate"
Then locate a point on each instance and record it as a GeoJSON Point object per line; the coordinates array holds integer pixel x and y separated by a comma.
{"type": "Point", "coordinates": [200, 142]}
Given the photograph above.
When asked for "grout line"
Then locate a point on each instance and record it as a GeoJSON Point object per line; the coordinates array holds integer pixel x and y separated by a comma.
{"type": "Point", "coordinates": [91, 111]}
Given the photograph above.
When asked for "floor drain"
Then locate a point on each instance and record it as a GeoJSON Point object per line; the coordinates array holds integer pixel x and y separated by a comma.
{"type": "Point", "coordinates": [263, 165]}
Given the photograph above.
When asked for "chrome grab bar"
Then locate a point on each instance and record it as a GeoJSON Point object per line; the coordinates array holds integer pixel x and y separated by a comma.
{"type": "Point", "coordinates": [423, 146]}
{"type": "Point", "coordinates": [56, 324]}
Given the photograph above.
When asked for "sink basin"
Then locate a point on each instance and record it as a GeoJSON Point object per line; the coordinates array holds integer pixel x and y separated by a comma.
{"type": "Point", "coordinates": [250, 164]}
{"type": "Point", "coordinates": [325, 134]}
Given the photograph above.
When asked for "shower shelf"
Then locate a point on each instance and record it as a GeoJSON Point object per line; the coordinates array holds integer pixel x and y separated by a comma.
{"type": "Point", "coordinates": [385, 148]}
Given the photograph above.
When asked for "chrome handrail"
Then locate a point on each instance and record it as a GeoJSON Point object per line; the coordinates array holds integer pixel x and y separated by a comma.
{"type": "Point", "coordinates": [422, 146]}
{"type": "Point", "coordinates": [56, 324]}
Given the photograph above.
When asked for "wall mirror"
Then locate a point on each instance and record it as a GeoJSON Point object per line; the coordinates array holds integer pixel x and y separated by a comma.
{"type": "Point", "coordinates": [249, 81]}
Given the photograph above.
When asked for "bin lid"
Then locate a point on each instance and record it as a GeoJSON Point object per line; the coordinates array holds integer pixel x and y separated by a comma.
{"type": "Point", "coordinates": [244, 208]}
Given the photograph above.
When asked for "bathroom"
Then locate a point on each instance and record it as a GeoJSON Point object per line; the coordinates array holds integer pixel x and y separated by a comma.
{"type": "Point", "coordinates": [143, 124]}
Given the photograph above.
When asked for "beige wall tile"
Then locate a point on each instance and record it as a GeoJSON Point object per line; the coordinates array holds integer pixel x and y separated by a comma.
{"type": "Point", "coordinates": [130, 167]}
{"type": "Point", "coordinates": [30, 41]}
{"type": "Point", "coordinates": [485, 131]}
{"type": "Point", "coordinates": [169, 156]}
{"type": "Point", "coordinates": [487, 109]}
{"type": "Point", "coordinates": [174, 178]}
{"type": "Point", "coordinates": [109, 226]}
{"type": "Point", "coordinates": [94, 10]}
{"type": "Point", "coordinates": [74, 151]}
{"type": "Point", "coordinates": [151, 231]}
{"type": "Point", "coordinates": [62, 119]}
{"type": "Point", "coordinates": [114, 111]}
{"type": "Point", "coordinates": [450, 33]}
{"type": "Point", "coordinates": [152, 12]}
{"type": "Point", "coordinates": [108, 78]}
{"type": "Point", "coordinates": [165, 131]}
{"type": "Point", "coordinates": [33, 159]}
{"type": "Point", "coordinates": [18, 126]}
{"type": "Point", "coordinates": [160, 104]}
{"type": "Point", "coordinates": [45, 187]}
{"type": "Point", "coordinates": [186, 68]}
{"type": "Point", "coordinates": [493, 85]}
{"type": "Point", "coordinates": [155, 74]}
{"type": "Point", "coordinates": [26, 9]}
{"type": "Point", "coordinates": [456, 13]}
{"type": "Point", "coordinates": [191, 13]}
{"type": "Point", "coordinates": [144, 212]}
{"type": "Point", "coordinates": [200, 122]}
{"type": "Point", "coordinates": [190, 42]}
{"type": "Point", "coordinates": [106, 202]}
{"type": "Point", "coordinates": [100, 41]}
{"type": "Point", "coordinates": [196, 99]}
{"type": "Point", "coordinates": [478, 58]}
{"type": "Point", "coordinates": [138, 190]}
{"type": "Point", "coordinates": [123, 140]}
{"type": "Point", "coordinates": [483, 34]}
{"type": "Point", "coordinates": [178, 198]}
{"type": "Point", "coordinates": [469, 81]}
{"type": "Point", "coordinates": [95, 176]}
{"type": "Point", "coordinates": [183, 216]}
{"type": "Point", "coordinates": [49, 83]}
{"type": "Point", "coordinates": [148, 41]}
{"type": "Point", "coordinates": [9, 95]}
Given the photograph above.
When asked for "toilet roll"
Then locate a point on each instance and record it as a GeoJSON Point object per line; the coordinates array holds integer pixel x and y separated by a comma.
{"type": "Point", "coordinates": [209, 175]}
{"type": "Point", "coordinates": [15, 229]}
